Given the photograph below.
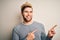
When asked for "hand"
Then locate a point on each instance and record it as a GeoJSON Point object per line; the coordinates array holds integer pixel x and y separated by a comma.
{"type": "Point", "coordinates": [31, 35]}
{"type": "Point", "coordinates": [51, 32]}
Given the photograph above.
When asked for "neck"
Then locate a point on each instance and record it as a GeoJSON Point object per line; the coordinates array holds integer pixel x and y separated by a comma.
{"type": "Point", "coordinates": [27, 23]}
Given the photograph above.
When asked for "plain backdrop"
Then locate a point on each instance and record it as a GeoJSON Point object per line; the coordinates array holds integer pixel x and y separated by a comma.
{"type": "Point", "coordinates": [46, 12]}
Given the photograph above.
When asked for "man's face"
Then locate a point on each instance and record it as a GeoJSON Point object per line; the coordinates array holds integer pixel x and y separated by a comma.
{"type": "Point", "coordinates": [27, 14]}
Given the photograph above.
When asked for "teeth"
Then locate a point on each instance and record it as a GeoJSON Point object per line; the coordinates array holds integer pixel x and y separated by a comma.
{"type": "Point", "coordinates": [27, 16]}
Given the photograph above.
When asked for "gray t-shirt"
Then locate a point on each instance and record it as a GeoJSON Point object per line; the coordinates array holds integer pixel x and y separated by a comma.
{"type": "Point", "coordinates": [20, 31]}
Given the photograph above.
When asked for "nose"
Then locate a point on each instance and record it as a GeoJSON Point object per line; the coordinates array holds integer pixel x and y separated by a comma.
{"type": "Point", "coordinates": [29, 13]}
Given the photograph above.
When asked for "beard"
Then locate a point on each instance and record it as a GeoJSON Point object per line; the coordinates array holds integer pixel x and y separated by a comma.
{"type": "Point", "coordinates": [27, 19]}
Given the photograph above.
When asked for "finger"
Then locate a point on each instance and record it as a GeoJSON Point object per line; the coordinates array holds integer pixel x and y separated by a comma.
{"type": "Point", "coordinates": [54, 26]}
{"type": "Point", "coordinates": [34, 31]}
{"type": "Point", "coordinates": [53, 31]}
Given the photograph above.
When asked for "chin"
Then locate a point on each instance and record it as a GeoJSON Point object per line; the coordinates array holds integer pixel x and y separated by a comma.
{"type": "Point", "coordinates": [28, 20]}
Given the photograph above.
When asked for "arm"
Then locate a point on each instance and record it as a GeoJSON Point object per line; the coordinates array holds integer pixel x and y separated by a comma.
{"type": "Point", "coordinates": [43, 35]}
{"type": "Point", "coordinates": [15, 36]}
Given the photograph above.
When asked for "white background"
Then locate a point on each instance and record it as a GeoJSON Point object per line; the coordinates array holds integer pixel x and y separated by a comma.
{"type": "Point", "coordinates": [45, 11]}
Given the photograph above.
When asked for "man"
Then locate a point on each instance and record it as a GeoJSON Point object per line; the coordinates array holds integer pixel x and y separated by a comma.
{"type": "Point", "coordinates": [30, 30]}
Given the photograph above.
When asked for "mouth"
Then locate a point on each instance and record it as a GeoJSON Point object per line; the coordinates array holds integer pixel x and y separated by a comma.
{"type": "Point", "coordinates": [28, 17]}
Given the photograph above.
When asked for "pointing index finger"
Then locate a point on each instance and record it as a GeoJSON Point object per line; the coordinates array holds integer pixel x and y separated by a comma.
{"type": "Point", "coordinates": [54, 26]}
{"type": "Point", "coordinates": [34, 31]}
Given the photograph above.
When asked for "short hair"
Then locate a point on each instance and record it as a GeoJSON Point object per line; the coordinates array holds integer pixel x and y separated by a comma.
{"type": "Point", "coordinates": [25, 6]}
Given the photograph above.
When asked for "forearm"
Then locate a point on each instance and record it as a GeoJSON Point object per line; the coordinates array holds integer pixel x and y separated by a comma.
{"type": "Point", "coordinates": [48, 38]}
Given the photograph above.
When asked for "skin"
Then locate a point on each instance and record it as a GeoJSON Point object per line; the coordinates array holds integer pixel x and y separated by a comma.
{"type": "Point", "coordinates": [27, 16]}
{"type": "Point", "coordinates": [52, 32]}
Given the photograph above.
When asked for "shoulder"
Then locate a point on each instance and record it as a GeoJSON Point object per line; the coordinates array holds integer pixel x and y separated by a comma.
{"type": "Point", "coordinates": [17, 27]}
{"type": "Point", "coordinates": [38, 23]}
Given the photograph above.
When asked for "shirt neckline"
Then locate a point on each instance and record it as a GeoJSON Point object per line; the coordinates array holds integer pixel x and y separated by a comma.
{"type": "Point", "coordinates": [28, 25]}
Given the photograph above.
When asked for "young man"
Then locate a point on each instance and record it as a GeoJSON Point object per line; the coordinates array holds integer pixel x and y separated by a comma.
{"type": "Point", "coordinates": [30, 30]}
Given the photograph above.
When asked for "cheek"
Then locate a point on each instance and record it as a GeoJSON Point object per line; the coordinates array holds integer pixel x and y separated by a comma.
{"type": "Point", "coordinates": [25, 14]}
{"type": "Point", "coordinates": [31, 14]}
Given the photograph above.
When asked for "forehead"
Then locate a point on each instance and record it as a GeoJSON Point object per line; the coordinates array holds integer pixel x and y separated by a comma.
{"type": "Point", "coordinates": [28, 9]}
